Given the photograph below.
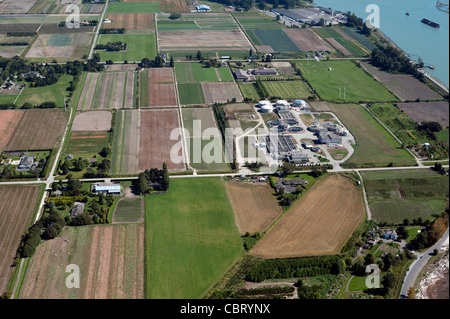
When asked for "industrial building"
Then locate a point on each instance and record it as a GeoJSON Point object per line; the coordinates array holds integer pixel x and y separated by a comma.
{"type": "Point", "coordinates": [106, 188]}
{"type": "Point", "coordinates": [309, 15]}
{"type": "Point", "coordinates": [329, 138]}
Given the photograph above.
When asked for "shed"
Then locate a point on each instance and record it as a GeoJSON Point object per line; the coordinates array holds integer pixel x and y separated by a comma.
{"type": "Point", "coordinates": [104, 188]}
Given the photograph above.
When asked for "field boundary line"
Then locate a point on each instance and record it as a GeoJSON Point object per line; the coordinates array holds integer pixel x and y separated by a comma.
{"type": "Point", "coordinates": [366, 202]}
{"type": "Point", "coordinates": [245, 34]}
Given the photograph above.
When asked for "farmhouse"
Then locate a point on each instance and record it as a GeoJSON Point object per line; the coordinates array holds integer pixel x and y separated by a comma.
{"type": "Point", "coordinates": [203, 8]}
{"type": "Point", "coordinates": [106, 188]}
{"type": "Point", "coordinates": [26, 163]}
{"type": "Point", "coordinates": [241, 75]}
{"type": "Point", "coordinates": [264, 71]}
{"type": "Point", "coordinates": [77, 209]}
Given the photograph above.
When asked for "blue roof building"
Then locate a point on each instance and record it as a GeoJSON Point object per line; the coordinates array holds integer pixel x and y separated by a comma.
{"type": "Point", "coordinates": [203, 7]}
{"type": "Point", "coordinates": [110, 189]}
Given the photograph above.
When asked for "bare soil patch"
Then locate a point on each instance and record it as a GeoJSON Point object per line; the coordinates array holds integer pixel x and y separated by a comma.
{"type": "Point", "coordinates": [203, 39]}
{"type": "Point", "coordinates": [9, 120]}
{"type": "Point", "coordinates": [38, 130]}
{"type": "Point", "coordinates": [255, 207]}
{"type": "Point", "coordinates": [307, 40]}
{"type": "Point", "coordinates": [221, 92]}
{"type": "Point", "coordinates": [155, 143]}
{"type": "Point", "coordinates": [130, 21]}
{"type": "Point", "coordinates": [16, 6]}
{"type": "Point", "coordinates": [404, 86]}
{"type": "Point", "coordinates": [16, 209]}
{"type": "Point", "coordinates": [427, 112]}
{"type": "Point", "coordinates": [339, 46]}
{"type": "Point", "coordinates": [92, 121]}
{"type": "Point", "coordinates": [320, 223]}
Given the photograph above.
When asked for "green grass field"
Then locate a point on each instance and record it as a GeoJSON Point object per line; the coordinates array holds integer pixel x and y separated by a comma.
{"type": "Point", "coordinates": [396, 195]}
{"type": "Point", "coordinates": [190, 93]}
{"type": "Point", "coordinates": [195, 72]}
{"type": "Point", "coordinates": [50, 93]}
{"type": "Point", "coordinates": [374, 145]}
{"type": "Point", "coordinates": [87, 144]}
{"type": "Point", "coordinates": [129, 210]}
{"type": "Point", "coordinates": [253, 20]}
{"type": "Point", "coordinates": [207, 154]}
{"type": "Point", "coordinates": [287, 89]}
{"type": "Point", "coordinates": [276, 38]}
{"type": "Point", "coordinates": [190, 238]}
{"type": "Point", "coordinates": [358, 85]}
{"type": "Point", "coordinates": [139, 46]}
{"type": "Point", "coordinates": [133, 7]}
{"type": "Point", "coordinates": [249, 91]}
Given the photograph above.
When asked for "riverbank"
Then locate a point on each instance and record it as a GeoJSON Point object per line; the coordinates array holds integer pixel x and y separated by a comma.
{"type": "Point", "coordinates": [435, 281]}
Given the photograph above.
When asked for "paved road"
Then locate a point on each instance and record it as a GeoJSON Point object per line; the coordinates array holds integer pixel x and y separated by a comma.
{"type": "Point", "coordinates": [418, 264]}
{"type": "Point", "coordinates": [94, 43]}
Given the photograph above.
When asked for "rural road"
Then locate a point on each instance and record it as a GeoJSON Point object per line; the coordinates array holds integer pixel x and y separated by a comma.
{"type": "Point", "coordinates": [418, 264]}
{"type": "Point", "coordinates": [91, 52]}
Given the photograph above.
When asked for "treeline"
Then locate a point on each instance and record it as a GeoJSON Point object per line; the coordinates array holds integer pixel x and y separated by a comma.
{"type": "Point", "coordinates": [113, 31]}
{"type": "Point", "coordinates": [158, 62]}
{"type": "Point", "coordinates": [27, 105]}
{"type": "Point", "coordinates": [112, 46]}
{"type": "Point", "coordinates": [21, 34]}
{"type": "Point", "coordinates": [295, 267]}
{"type": "Point", "coordinates": [392, 60]}
{"type": "Point", "coordinates": [11, 44]}
{"type": "Point", "coordinates": [90, 23]}
{"type": "Point", "coordinates": [153, 175]}
{"type": "Point", "coordinates": [432, 233]}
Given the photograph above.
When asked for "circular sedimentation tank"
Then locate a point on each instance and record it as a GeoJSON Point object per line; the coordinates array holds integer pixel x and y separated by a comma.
{"type": "Point", "coordinates": [273, 123]}
{"type": "Point", "coordinates": [295, 129]}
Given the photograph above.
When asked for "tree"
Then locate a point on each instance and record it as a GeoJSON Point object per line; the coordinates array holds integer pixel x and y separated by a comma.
{"type": "Point", "coordinates": [389, 280]}
{"type": "Point", "coordinates": [411, 293]}
{"type": "Point", "coordinates": [171, 63]}
{"type": "Point", "coordinates": [369, 259]}
{"type": "Point", "coordinates": [175, 15]}
{"type": "Point", "coordinates": [402, 232]}
{"type": "Point", "coordinates": [142, 183]}
{"type": "Point", "coordinates": [165, 178]}
{"type": "Point", "coordinates": [287, 168]}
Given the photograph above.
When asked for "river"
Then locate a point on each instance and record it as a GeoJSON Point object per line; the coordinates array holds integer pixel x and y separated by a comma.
{"type": "Point", "coordinates": [415, 38]}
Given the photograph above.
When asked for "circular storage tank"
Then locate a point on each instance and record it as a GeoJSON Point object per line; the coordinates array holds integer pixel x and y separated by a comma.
{"type": "Point", "coordinates": [266, 108]}
{"type": "Point", "coordinates": [278, 129]}
{"type": "Point", "coordinates": [281, 103]}
{"type": "Point", "coordinates": [273, 123]}
{"type": "Point", "coordinates": [300, 103]}
{"type": "Point", "coordinates": [263, 102]}
{"type": "Point", "coordinates": [291, 122]}
{"type": "Point", "coordinates": [295, 129]}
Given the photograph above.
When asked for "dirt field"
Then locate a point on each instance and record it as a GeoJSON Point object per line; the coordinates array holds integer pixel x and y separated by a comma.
{"type": "Point", "coordinates": [174, 6]}
{"type": "Point", "coordinates": [427, 112]}
{"type": "Point", "coordinates": [9, 119]}
{"type": "Point", "coordinates": [110, 259]}
{"type": "Point", "coordinates": [92, 121]}
{"type": "Point", "coordinates": [122, 67]}
{"type": "Point", "coordinates": [255, 207]}
{"type": "Point", "coordinates": [79, 45]}
{"type": "Point", "coordinates": [38, 130]}
{"type": "Point", "coordinates": [339, 46]}
{"type": "Point", "coordinates": [126, 142]}
{"type": "Point", "coordinates": [155, 144]}
{"type": "Point", "coordinates": [161, 88]}
{"type": "Point", "coordinates": [16, 209]}
{"type": "Point", "coordinates": [404, 86]}
{"type": "Point", "coordinates": [307, 40]}
{"type": "Point", "coordinates": [130, 21]}
{"type": "Point", "coordinates": [16, 6]}
{"type": "Point", "coordinates": [11, 51]}
{"type": "Point", "coordinates": [320, 223]}
{"type": "Point", "coordinates": [108, 90]}
{"type": "Point", "coordinates": [203, 39]}
{"type": "Point", "coordinates": [221, 92]}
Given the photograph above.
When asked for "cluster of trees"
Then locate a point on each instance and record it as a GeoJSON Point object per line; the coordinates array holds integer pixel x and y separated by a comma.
{"type": "Point", "coordinates": [86, 23]}
{"type": "Point", "coordinates": [113, 31]}
{"type": "Point", "coordinates": [158, 62]}
{"type": "Point", "coordinates": [14, 43]}
{"type": "Point", "coordinates": [295, 267]}
{"type": "Point", "coordinates": [112, 46]}
{"type": "Point", "coordinates": [101, 167]}
{"type": "Point", "coordinates": [27, 105]}
{"type": "Point", "coordinates": [153, 175]}
{"type": "Point", "coordinates": [432, 233]}
{"type": "Point", "coordinates": [21, 34]}
{"type": "Point", "coordinates": [175, 15]}
{"type": "Point", "coordinates": [392, 60]}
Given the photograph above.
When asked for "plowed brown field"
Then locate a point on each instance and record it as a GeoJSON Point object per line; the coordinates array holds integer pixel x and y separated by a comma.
{"type": "Point", "coordinates": [255, 207]}
{"type": "Point", "coordinates": [9, 119]}
{"type": "Point", "coordinates": [320, 223]}
{"type": "Point", "coordinates": [130, 21]}
{"type": "Point", "coordinates": [110, 259]}
{"type": "Point", "coordinates": [16, 209]}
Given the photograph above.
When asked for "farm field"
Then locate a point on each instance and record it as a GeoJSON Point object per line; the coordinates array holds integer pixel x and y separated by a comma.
{"type": "Point", "coordinates": [87, 144]}
{"type": "Point", "coordinates": [287, 89]}
{"type": "Point", "coordinates": [17, 206]}
{"type": "Point", "coordinates": [254, 20]}
{"type": "Point", "coordinates": [16, 6]}
{"type": "Point", "coordinates": [343, 74]}
{"type": "Point", "coordinates": [174, 6]}
{"type": "Point", "coordinates": [139, 46]}
{"type": "Point", "coordinates": [155, 144]}
{"type": "Point", "coordinates": [321, 226]}
{"type": "Point", "coordinates": [125, 148]}
{"type": "Point", "coordinates": [195, 72]}
{"type": "Point", "coordinates": [129, 210]}
{"type": "Point", "coordinates": [130, 21]}
{"type": "Point", "coordinates": [111, 257]}
{"type": "Point", "coordinates": [221, 92]}
{"type": "Point", "coordinates": [92, 121]}
{"type": "Point", "coordinates": [190, 93]}
{"type": "Point", "coordinates": [133, 7]}
{"type": "Point", "coordinates": [272, 40]}
{"type": "Point", "coordinates": [427, 112]}
{"type": "Point", "coordinates": [307, 40]}
{"type": "Point", "coordinates": [9, 120]}
{"type": "Point", "coordinates": [108, 90]}
{"type": "Point", "coordinates": [51, 93]}
{"type": "Point", "coordinates": [38, 130]}
{"type": "Point", "coordinates": [249, 91]}
{"type": "Point", "coordinates": [374, 145]}
{"type": "Point", "coordinates": [11, 51]}
{"type": "Point", "coordinates": [347, 41]}
{"type": "Point", "coordinates": [255, 206]}
{"type": "Point", "coordinates": [404, 86]}
{"type": "Point", "coordinates": [63, 47]}
{"type": "Point", "coordinates": [157, 88]}
{"type": "Point", "coordinates": [396, 195]}
{"type": "Point", "coordinates": [189, 246]}
{"type": "Point", "coordinates": [204, 117]}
